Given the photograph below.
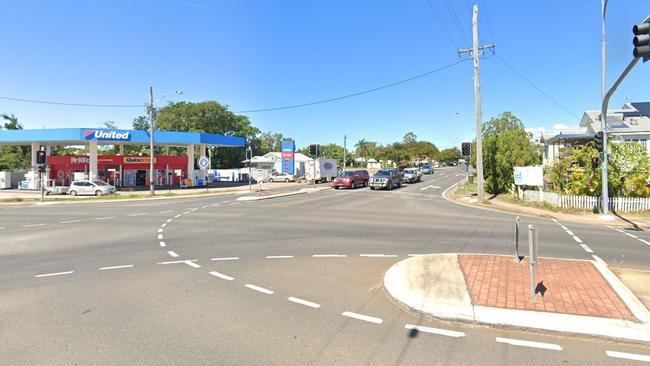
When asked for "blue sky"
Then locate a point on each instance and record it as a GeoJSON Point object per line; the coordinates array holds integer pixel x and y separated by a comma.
{"type": "Point", "coordinates": [252, 54]}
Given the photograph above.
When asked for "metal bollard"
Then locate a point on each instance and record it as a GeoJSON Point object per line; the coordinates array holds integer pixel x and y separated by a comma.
{"type": "Point", "coordinates": [517, 238]}
{"type": "Point", "coordinates": [532, 258]}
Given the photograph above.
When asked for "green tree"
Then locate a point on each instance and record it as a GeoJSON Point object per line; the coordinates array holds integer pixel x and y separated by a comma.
{"type": "Point", "coordinates": [409, 137]}
{"type": "Point", "coordinates": [449, 155]}
{"type": "Point", "coordinates": [140, 123]}
{"type": "Point", "coordinates": [209, 117]}
{"type": "Point", "coordinates": [506, 144]}
{"type": "Point", "coordinates": [111, 125]}
{"type": "Point", "coordinates": [629, 169]}
{"type": "Point", "coordinates": [13, 157]}
{"type": "Point", "coordinates": [330, 151]}
{"type": "Point", "coordinates": [572, 172]}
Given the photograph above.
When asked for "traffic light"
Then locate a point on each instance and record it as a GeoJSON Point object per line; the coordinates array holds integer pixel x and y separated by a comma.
{"type": "Point", "coordinates": [466, 149]}
{"type": "Point", "coordinates": [41, 157]}
{"type": "Point", "coordinates": [313, 150]}
{"type": "Point", "coordinates": [599, 141]}
{"type": "Point", "coordinates": [594, 163]}
{"type": "Point", "coordinates": [249, 154]}
{"type": "Point", "coordinates": [641, 40]}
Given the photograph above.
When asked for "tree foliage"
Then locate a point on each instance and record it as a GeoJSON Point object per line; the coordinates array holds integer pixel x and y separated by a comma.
{"type": "Point", "coordinates": [572, 172]}
{"type": "Point", "coordinates": [331, 151]}
{"type": "Point", "coordinates": [449, 155]}
{"type": "Point", "coordinates": [13, 157]}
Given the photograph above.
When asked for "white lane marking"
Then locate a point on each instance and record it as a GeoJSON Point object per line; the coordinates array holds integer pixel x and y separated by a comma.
{"type": "Point", "coordinates": [586, 248]}
{"type": "Point", "coordinates": [166, 211]}
{"type": "Point", "coordinates": [194, 209]}
{"type": "Point", "coordinates": [186, 212]}
{"type": "Point", "coordinates": [570, 232]}
{"type": "Point", "coordinates": [162, 244]}
{"type": "Point", "coordinates": [221, 275]}
{"type": "Point", "coordinates": [304, 302]}
{"type": "Point", "coordinates": [169, 220]}
{"type": "Point", "coordinates": [378, 255]}
{"type": "Point", "coordinates": [160, 236]}
{"type": "Point", "coordinates": [628, 356]}
{"type": "Point", "coordinates": [138, 214]}
{"type": "Point", "coordinates": [69, 221]}
{"type": "Point", "coordinates": [522, 343]}
{"type": "Point", "coordinates": [54, 274]}
{"type": "Point", "coordinates": [176, 262]}
{"type": "Point", "coordinates": [444, 332]}
{"type": "Point", "coordinates": [163, 225]}
{"type": "Point", "coordinates": [577, 239]}
{"type": "Point", "coordinates": [329, 255]}
{"type": "Point", "coordinates": [644, 241]}
{"type": "Point", "coordinates": [599, 260]}
{"type": "Point", "coordinates": [34, 225]}
{"type": "Point", "coordinates": [160, 230]}
{"type": "Point", "coordinates": [554, 220]}
{"type": "Point", "coordinates": [279, 256]}
{"type": "Point", "coordinates": [172, 253]}
{"type": "Point", "coordinates": [564, 227]}
{"type": "Point", "coordinates": [632, 236]}
{"type": "Point", "coordinates": [206, 206]}
{"type": "Point", "coordinates": [225, 259]}
{"type": "Point", "coordinates": [234, 203]}
{"type": "Point", "coordinates": [104, 218]}
{"type": "Point", "coordinates": [620, 231]}
{"type": "Point", "coordinates": [177, 216]}
{"type": "Point", "coordinates": [259, 289]}
{"type": "Point", "coordinates": [366, 318]}
{"type": "Point", "coordinates": [192, 264]}
{"type": "Point", "coordinates": [116, 267]}
{"type": "Point", "coordinates": [415, 255]}
{"type": "Point", "coordinates": [1, 228]}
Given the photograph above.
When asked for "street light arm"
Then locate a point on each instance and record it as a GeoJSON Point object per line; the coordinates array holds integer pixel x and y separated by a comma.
{"type": "Point", "coordinates": [603, 111]}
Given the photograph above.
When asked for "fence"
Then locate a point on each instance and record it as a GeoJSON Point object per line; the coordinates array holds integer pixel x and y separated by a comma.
{"type": "Point", "coordinates": [618, 204]}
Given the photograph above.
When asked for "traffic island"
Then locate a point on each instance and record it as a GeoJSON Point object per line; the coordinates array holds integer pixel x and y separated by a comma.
{"type": "Point", "coordinates": [572, 296]}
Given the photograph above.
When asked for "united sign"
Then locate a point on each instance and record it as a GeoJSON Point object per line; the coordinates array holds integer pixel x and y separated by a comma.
{"type": "Point", "coordinates": [106, 135]}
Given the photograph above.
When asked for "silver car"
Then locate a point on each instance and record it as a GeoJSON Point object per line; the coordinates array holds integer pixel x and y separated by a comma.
{"type": "Point", "coordinates": [412, 175]}
{"type": "Point", "coordinates": [94, 188]}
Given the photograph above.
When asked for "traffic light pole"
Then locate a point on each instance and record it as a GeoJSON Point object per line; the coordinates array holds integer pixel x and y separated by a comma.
{"type": "Point", "coordinates": [603, 121]}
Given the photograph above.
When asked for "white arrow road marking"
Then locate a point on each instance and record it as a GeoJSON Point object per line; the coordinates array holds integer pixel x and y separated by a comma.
{"type": "Point", "coordinates": [366, 318]}
{"type": "Point", "coordinates": [522, 343]}
{"type": "Point", "coordinates": [259, 289]}
{"type": "Point", "coordinates": [444, 332]}
{"type": "Point", "coordinates": [304, 302]}
{"type": "Point", "coordinates": [628, 356]}
{"type": "Point", "coordinates": [54, 274]}
{"type": "Point", "coordinates": [427, 187]}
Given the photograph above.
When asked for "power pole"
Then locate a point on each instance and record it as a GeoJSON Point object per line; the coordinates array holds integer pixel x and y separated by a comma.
{"type": "Point", "coordinates": [151, 153]}
{"type": "Point", "coordinates": [345, 150]}
{"type": "Point", "coordinates": [603, 118]}
{"type": "Point", "coordinates": [476, 51]}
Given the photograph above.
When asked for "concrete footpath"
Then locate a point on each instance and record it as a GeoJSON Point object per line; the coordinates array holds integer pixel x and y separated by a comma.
{"type": "Point", "coordinates": [573, 296]}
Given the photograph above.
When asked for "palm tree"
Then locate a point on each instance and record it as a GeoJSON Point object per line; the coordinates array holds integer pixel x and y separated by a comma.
{"type": "Point", "coordinates": [362, 149]}
{"type": "Point", "coordinates": [12, 122]}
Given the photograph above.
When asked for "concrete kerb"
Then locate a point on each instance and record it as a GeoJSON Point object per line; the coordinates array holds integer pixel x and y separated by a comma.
{"type": "Point", "coordinates": [293, 193]}
{"type": "Point", "coordinates": [441, 292]}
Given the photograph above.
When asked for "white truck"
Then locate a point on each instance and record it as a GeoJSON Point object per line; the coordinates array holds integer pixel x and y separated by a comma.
{"type": "Point", "coordinates": [326, 170]}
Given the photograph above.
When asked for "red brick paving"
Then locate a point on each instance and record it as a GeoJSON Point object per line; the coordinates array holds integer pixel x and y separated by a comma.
{"type": "Point", "coordinates": [573, 287]}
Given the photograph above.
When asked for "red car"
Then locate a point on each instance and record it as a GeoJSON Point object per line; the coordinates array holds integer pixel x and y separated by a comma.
{"type": "Point", "coordinates": [351, 179]}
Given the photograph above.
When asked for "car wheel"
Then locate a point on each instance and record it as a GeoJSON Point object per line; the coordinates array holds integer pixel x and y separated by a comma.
{"type": "Point", "coordinates": [271, 180]}
{"type": "Point", "coordinates": [73, 193]}
{"type": "Point", "coordinates": [372, 188]}
{"type": "Point", "coordinates": [98, 193]}
{"type": "Point", "coordinates": [390, 186]}
{"type": "Point", "coordinates": [336, 187]}
{"type": "Point", "coordinates": [365, 184]}
{"type": "Point", "coordinates": [286, 180]}
{"type": "Point", "coordinates": [399, 185]}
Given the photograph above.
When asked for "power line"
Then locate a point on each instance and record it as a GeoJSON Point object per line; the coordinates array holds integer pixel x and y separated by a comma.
{"type": "Point", "coordinates": [487, 16]}
{"type": "Point", "coordinates": [457, 21]}
{"type": "Point", "coordinates": [441, 23]}
{"type": "Point", "coordinates": [355, 93]}
{"type": "Point", "coordinates": [73, 104]}
{"type": "Point", "coordinates": [535, 87]}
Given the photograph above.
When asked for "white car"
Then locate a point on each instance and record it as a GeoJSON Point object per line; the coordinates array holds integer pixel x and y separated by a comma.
{"type": "Point", "coordinates": [282, 177]}
{"type": "Point", "coordinates": [412, 175]}
{"type": "Point", "coordinates": [87, 187]}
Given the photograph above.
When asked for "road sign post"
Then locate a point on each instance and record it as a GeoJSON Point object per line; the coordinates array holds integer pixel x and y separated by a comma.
{"type": "Point", "coordinates": [533, 239]}
{"type": "Point", "coordinates": [249, 157]}
{"type": "Point", "coordinates": [204, 163]}
{"type": "Point", "coordinates": [517, 239]}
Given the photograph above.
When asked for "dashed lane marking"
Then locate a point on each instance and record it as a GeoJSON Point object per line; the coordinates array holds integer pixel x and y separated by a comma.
{"type": "Point", "coordinates": [116, 267]}
{"type": "Point", "coordinates": [259, 289]}
{"type": "Point", "coordinates": [177, 216]}
{"type": "Point", "coordinates": [329, 255]}
{"type": "Point", "coordinates": [138, 214]}
{"type": "Point", "coordinates": [225, 259]}
{"type": "Point", "coordinates": [304, 302]}
{"type": "Point", "coordinates": [169, 220]}
{"type": "Point", "coordinates": [176, 262]}
{"type": "Point", "coordinates": [172, 253]}
{"type": "Point", "coordinates": [620, 231]}
{"type": "Point", "coordinates": [644, 241]}
{"type": "Point", "coordinates": [279, 256]}
{"type": "Point", "coordinates": [163, 225]}
{"type": "Point", "coordinates": [104, 218]}
{"type": "Point", "coordinates": [206, 206]}
{"type": "Point", "coordinates": [365, 318]}
{"type": "Point", "coordinates": [160, 230]}
{"type": "Point", "coordinates": [34, 225]}
{"type": "Point", "coordinates": [599, 260]}
{"type": "Point", "coordinates": [160, 236]}
{"type": "Point", "coordinates": [54, 274]}
{"type": "Point", "coordinates": [166, 211]}
{"type": "Point", "coordinates": [628, 356]}
{"type": "Point", "coordinates": [632, 236]}
{"type": "Point", "coordinates": [192, 264]}
{"type": "Point", "coordinates": [162, 244]}
{"type": "Point", "coordinates": [586, 248]}
{"type": "Point", "coordinates": [523, 343]}
{"type": "Point", "coordinates": [570, 232]}
{"type": "Point", "coordinates": [69, 221]}
{"type": "Point", "coordinates": [577, 239]}
{"type": "Point", "coordinates": [222, 276]}
{"type": "Point", "coordinates": [1, 228]}
{"type": "Point", "coordinates": [186, 212]}
{"type": "Point", "coordinates": [444, 332]}
{"type": "Point", "coordinates": [378, 255]}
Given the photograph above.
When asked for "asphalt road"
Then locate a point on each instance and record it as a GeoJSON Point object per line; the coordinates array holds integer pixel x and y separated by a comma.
{"type": "Point", "coordinates": [289, 281]}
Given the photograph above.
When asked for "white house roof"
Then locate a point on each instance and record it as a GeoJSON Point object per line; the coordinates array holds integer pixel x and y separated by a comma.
{"type": "Point", "coordinates": [632, 118]}
{"type": "Point", "coordinates": [259, 159]}
{"type": "Point", "coordinates": [297, 156]}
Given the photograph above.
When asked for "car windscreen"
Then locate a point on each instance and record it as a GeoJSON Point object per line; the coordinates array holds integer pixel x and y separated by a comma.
{"type": "Point", "coordinates": [348, 174]}
{"type": "Point", "coordinates": [99, 183]}
{"type": "Point", "coordinates": [409, 171]}
{"type": "Point", "coordinates": [386, 173]}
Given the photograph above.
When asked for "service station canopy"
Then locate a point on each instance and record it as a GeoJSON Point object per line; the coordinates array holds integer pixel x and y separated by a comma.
{"type": "Point", "coordinates": [82, 136]}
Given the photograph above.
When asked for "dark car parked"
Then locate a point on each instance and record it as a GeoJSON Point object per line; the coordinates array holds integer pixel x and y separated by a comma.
{"type": "Point", "coordinates": [386, 178]}
{"type": "Point", "coordinates": [351, 179]}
